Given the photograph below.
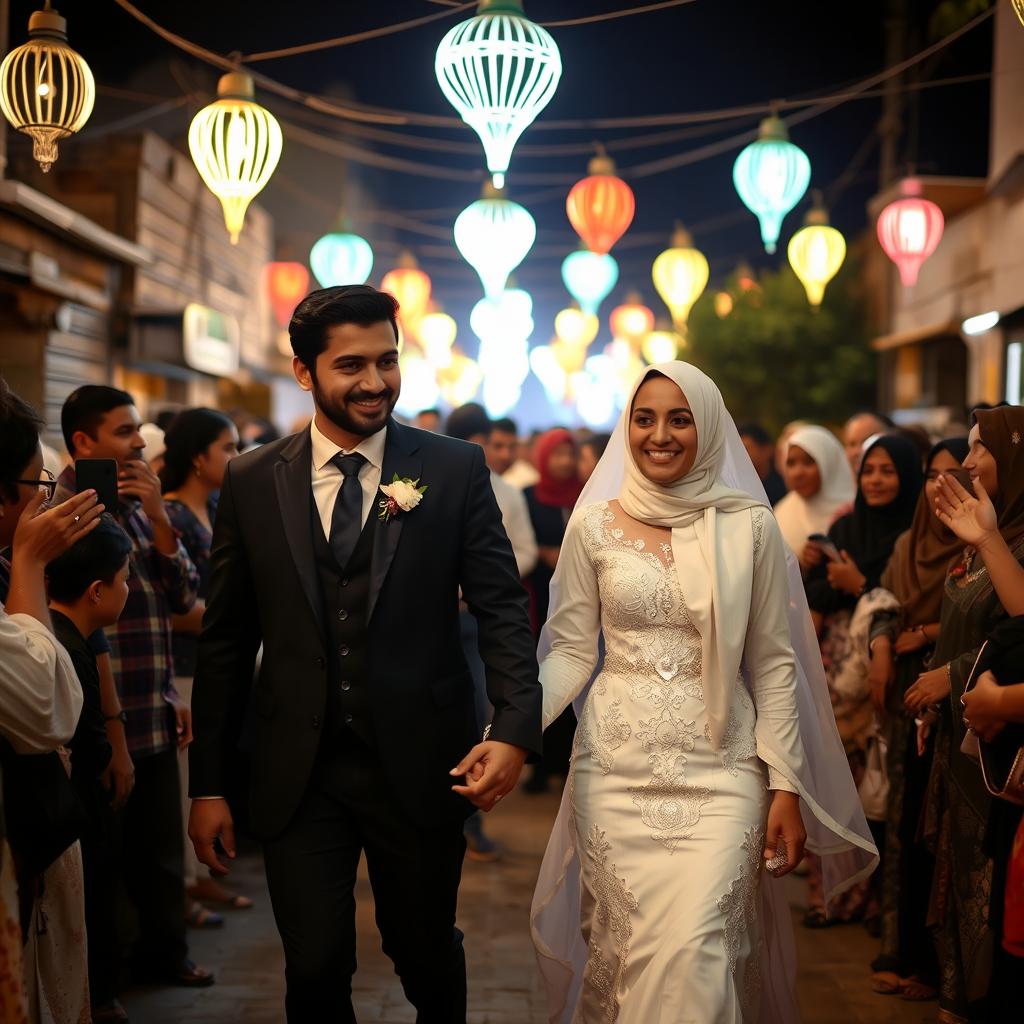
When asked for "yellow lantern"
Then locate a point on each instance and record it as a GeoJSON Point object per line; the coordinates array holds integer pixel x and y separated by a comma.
{"type": "Point", "coordinates": [460, 380]}
{"type": "Point", "coordinates": [575, 327]}
{"type": "Point", "coordinates": [661, 346]}
{"type": "Point", "coordinates": [816, 252]}
{"type": "Point", "coordinates": [723, 305]}
{"type": "Point", "coordinates": [680, 275]}
{"type": "Point", "coordinates": [437, 333]}
{"type": "Point", "coordinates": [235, 144]}
{"type": "Point", "coordinates": [632, 320]}
{"type": "Point", "coordinates": [46, 88]}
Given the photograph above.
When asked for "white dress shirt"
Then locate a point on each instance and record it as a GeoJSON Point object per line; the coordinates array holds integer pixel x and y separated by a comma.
{"type": "Point", "coordinates": [515, 517]}
{"type": "Point", "coordinates": [327, 478]}
{"type": "Point", "coordinates": [40, 695]}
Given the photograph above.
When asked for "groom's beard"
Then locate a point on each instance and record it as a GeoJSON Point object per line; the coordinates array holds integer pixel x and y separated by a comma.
{"type": "Point", "coordinates": [344, 413]}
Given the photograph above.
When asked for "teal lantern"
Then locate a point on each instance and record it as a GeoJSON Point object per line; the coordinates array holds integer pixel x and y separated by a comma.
{"type": "Point", "coordinates": [589, 277]}
{"type": "Point", "coordinates": [341, 258]}
{"type": "Point", "coordinates": [771, 176]}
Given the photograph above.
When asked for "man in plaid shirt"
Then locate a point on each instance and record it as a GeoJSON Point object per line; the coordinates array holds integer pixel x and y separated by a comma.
{"type": "Point", "coordinates": [101, 422]}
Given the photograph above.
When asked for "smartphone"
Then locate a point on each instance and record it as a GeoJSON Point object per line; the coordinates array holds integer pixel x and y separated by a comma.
{"type": "Point", "coordinates": [826, 545]}
{"type": "Point", "coordinates": [99, 475]}
{"type": "Point", "coordinates": [963, 478]}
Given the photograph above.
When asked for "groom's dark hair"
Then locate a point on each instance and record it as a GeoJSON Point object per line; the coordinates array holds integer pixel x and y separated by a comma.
{"type": "Point", "coordinates": [343, 304]}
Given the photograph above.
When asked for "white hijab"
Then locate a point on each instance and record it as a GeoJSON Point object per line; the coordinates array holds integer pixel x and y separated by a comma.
{"type": "Point", "coordinates": [716, 497]}
{"type": "Point", "coordinates": [798, 518]}
{"type": "Point", "coordinates": [719, 603]}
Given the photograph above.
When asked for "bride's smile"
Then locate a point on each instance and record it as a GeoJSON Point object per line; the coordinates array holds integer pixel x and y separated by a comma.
{"type": "Point", "coordinates": [662, 432]}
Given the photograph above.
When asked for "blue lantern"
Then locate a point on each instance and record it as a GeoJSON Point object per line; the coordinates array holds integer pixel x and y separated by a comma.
{"type": "Point", "coordinates": [589, 277]}
{"type": "Point", "coordinates": [771, 176]}
{"type": "Point", "coordinates": [341, 258]}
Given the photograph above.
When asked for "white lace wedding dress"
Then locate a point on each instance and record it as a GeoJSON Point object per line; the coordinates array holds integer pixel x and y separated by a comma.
{"type": "Point", "coordinates": [668, 830]}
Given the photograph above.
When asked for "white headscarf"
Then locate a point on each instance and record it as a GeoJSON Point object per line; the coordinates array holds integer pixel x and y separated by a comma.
{"type": "Point", "coordinates": [798, 518]}
{"type": "Point", "coordinates": [721, 515]}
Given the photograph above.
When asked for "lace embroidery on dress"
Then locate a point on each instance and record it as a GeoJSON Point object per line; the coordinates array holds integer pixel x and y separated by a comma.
{"type": "Point", "coordinates": [614, 904]}
{"type": "Point", "coordinates": [610, 733]}
{"type": "Point", "coordinates": [757, 518]}
{"type": "Point", "coordinates": [738, 740]}
{"type": "Point", "coordinates": [739, 904]}
{"type": "Point", "coordinates": [669, 807]}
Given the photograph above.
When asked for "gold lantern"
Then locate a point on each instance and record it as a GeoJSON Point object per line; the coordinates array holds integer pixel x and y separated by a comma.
{"type": "Point", "coordinates": [680, 274]}
{"type": "Point", "coordinates": [46, 88]}
{"type": "Point", "coordinates": [816, 252]}
{"type": "Point", "coordinates": [235, 144]}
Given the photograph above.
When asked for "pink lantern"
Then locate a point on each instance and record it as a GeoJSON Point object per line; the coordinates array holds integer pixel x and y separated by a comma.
{"type": "Point", "coordinates": [909, 230]}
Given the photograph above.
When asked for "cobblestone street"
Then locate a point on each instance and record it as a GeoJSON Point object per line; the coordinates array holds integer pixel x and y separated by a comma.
{"type": "Point", "coordinates": [503, 982]}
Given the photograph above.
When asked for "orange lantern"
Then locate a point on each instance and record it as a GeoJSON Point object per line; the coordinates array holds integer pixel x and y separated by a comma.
{"type": "Point", "coordinates": [287, 284]}
{"type": "Point", "coordinates": [632, 320]}
{"type": "Point", "coordinates": [410, 286]}
{"type": "Point", "coordinates": [601, 206]}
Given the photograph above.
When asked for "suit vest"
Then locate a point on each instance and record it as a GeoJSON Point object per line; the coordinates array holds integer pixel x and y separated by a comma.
{"type": "Point", "coordinates": [345, 599]}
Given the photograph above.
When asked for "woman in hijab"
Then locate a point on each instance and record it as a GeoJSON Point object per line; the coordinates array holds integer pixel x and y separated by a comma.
{"type": "Point", "coordinates": [957, 803]}
{"type": "Point", "coordinates": [863, 542]}
{"type": "Point", "coordinates": [820, 484]}
{"type": "Point", "coordinates": [691, 774]}
{"type": "Point", "coordinates": [901, 642]}
{"type": "Point", "coordinates": [550, 502]}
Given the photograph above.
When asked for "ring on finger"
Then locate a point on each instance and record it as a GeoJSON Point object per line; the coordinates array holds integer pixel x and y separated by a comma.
{"type": "Point", "coordinates": [76, 519]}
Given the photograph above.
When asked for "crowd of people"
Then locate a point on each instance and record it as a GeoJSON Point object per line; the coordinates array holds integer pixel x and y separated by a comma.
{"type": "Point", "coordinates": [910, 548]}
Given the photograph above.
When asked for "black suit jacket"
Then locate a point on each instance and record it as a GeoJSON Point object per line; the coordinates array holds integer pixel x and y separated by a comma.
{"type": "Point", "coordinates": [264, 589]}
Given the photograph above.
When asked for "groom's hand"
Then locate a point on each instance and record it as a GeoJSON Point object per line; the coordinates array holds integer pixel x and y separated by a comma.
{"type": "Point", "coordinates": [209, 820]}
{"type": "Point", "coordinates": [492, 770]}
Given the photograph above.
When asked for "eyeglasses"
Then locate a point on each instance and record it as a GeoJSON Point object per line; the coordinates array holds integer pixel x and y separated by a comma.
{"type": "Point", "coordinates": [48, 481]}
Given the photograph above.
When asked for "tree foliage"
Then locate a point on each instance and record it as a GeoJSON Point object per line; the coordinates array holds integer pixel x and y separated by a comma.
{"type": "Point", "coordinates": [776, 359]}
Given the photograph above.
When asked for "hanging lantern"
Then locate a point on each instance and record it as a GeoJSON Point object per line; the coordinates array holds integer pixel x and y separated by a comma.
{"type": "Point", "coordinates": [909, 230]}
{"type": "Point", "coordinates": [46, 89]}
{"type": "Point", "coordinates": [680, 274]}
{"type": "Point", "coordinates": [341, 258]}
{"type": "Point", "coordinates": [494, 235]}
{"type": "Point", "coordinates": [419, 384]}
{"type": "Point", "coordinates": [549, 372]}
{"type": "Point", "coordinates": [437, 333]}
{"type": "Point", "coordinates": [287, 285]}
{"type": "Point", "coordinates": [499, 70]}
{"type": "Point", "coordinates": [816, 252]}
{"type": "Point", "coordinates": [235, 144]}
{"type": "Point", "coordinates": [723, 305]}
{"type": "Point", "coordinates": [771, 176]}
{"type": "Point", "coordinates": [661, 346]}
{"type": "Point", "coordinates": [575, 327]}
{"type": "Point", "coordinates": [601, 206]}
{"type": "Point", "coordinates": [508, 316]}
{"type": "Point", "coordinates": [410, 286]}
{"type": "Point", "coordinates": [589, 277]}
{"type": "Point", "coordinates": [460, 380]}
{"type": "Point", "coordinates": [632, 320]}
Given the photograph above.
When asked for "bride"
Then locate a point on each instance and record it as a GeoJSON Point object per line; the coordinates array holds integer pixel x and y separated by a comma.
{"type": "Point", "coordinates": [705, 746]}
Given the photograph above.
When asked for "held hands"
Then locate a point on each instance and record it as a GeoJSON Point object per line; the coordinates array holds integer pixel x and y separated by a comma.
{"type": "Point", "coordinates": [845, 576]}
{"type": "Point", "coordinates": [973, 520]}
{"type": "Point", "coordinates": [492, 769]}
{"type": "Point", "coordinates": [42, 534]}
{"type": "Point", "coordinates": [137, 480]}
{"type": "Point", "coordinates": [785, 832]}
{"type": "Point", "coordinates": [983, 708]}
{"type": "Point", "coordinates": [930, 688]}
{"type": "Point", "coordinates": [209, 821]}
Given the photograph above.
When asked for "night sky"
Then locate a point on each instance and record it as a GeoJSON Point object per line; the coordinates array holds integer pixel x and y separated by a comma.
{"type": "Point", "coordinates": [706, 55]}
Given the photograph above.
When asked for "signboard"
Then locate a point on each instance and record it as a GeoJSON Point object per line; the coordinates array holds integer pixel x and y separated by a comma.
{"type": "Point", "coordinates": [211, 341]}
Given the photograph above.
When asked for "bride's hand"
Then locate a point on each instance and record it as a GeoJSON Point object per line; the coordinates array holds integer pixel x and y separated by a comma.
{"type": "Point", "coordinates": [785, 826]}
{"type": "Point", "coordinates": [973, 520]}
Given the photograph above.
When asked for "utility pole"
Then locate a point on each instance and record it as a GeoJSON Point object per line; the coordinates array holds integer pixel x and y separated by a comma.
{"type": "Point", "coordinates": [890, 127]}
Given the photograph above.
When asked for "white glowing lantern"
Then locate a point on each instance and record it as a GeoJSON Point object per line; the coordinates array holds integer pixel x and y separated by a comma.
{"type": "Point", "coordinates": [437, 333]}
{"type": "Point", "coordinates": [499, 70]}
{"type": "Point", "coordinates": [494, 235]}
{"type": "Point", "coordinates": [547, 369]}
{"type": "Point", "coordinates": [460, 380]}
{"type": "Point", "coordinates": [575, 327]}
{"type": "Point", "coordinates": [508, 315]}
{"type": "Point", "coordinates": [419, 384]}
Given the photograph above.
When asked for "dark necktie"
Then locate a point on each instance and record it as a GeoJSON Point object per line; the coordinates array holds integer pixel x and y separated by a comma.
{"type": "Point", "coordinates": [347, 518]}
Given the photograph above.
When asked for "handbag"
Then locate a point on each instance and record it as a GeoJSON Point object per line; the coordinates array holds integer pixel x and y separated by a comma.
{"type": "Point", "coordinates": [874, 786]}
{"type": "Point", "coordinates": [1002, 762]}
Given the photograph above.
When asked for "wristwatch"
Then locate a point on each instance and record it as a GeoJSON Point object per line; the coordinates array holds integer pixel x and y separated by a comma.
{"type": "Point", "coordinates": [121, 716]}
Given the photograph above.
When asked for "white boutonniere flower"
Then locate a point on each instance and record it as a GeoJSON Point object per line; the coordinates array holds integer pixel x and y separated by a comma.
{"type": "Point", "coordinates": [401, 495]}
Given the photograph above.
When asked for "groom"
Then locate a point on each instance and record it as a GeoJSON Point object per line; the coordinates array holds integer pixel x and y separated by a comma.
{"type": "Point", "coordinates": [364, 702]}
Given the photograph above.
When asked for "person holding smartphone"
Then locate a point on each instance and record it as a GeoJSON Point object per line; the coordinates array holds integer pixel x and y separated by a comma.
{"type": "Point", "coordinates": [100, 422]}
{"type": "Point", "coordinates": [888, 486]}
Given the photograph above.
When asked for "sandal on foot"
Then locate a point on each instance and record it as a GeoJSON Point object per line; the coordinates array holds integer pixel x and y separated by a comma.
{"type": "Point", "coordinates": [886, 983]}
{"type": "Point", "coordinates": [198, 916]}
{"type": "Point", "coordinates": [110, 1013]}
{"type": "Point", "coordinates": [914, 990]}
